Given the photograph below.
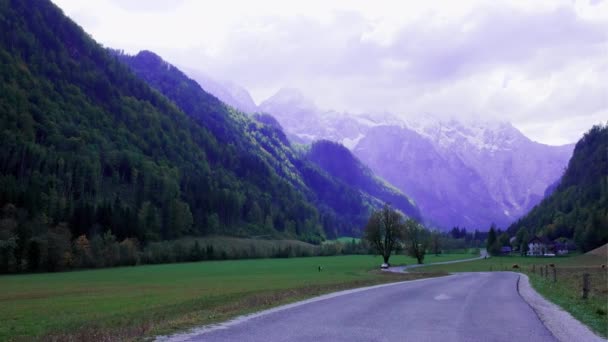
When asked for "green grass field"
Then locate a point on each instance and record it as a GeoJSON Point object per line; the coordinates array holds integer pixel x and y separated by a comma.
{"type": "Point", "coordinates": [147, 300]}
{"type": "Point", "coordinates": [566, 292]}
{"type": "Point", "coordinates": [343, 239]}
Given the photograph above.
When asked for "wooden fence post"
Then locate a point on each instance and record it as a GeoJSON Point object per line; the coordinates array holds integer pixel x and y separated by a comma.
{"type": "Point", "coordinates": [541, 271]}
{"type": "Point", "coordinates": [534, 268]}
{"type": "Point", "coordinates": [586, 285]}
{"type": "Point", "coordinates": [546, 271]}
{"type": "Point", "coordinates": [554, 274]}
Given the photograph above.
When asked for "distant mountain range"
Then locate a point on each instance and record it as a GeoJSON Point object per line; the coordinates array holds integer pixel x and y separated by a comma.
{"type": "Point", "coordinates": [468, 174]}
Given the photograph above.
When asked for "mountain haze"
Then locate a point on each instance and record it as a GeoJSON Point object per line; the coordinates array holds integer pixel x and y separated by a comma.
{"type": "Point", "coordinates": [227, 92]}
{"type": "Point", "coordinates": [459, 173]}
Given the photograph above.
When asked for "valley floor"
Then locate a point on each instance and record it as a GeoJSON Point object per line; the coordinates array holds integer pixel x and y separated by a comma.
{"type": "Point", "coordinates": [148, 300]}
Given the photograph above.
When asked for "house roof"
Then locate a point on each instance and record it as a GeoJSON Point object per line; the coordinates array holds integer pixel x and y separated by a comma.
{"type": "Point", "coordinates": [564, 243]}
{"type": "Point", "coordinates": [540, 239]}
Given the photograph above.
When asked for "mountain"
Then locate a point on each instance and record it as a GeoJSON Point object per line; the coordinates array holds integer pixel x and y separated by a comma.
{"type": "Point", "coordinates": [339, 162]}
{"type": "Point", "coordinates": [479, 172]}
{"type": "Point", "coordinates": [96, 141]}
{"type": "Point", "coordinates": [578, 207]}
{"type": "Point", "coordinates": [227, 92]}
{"type": "Point", "coordinates": [304, 122]}
{"type": "Point", "coordinates": [515, 169]}
{"type": "Point", "coordinates": [292, 109]}
{"type": "Point", "coordinates": [343, 206]}
{"type": "Point", "coordinates": [89, 146]}
{"type": "Point", "coordinates": [443, 186]}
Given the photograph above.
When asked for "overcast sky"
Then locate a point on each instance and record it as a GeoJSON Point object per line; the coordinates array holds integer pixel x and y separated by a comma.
{"type": "Point", "coordinates": [543, 65]}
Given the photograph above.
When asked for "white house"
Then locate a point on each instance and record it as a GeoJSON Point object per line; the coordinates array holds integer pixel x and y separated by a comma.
{"type": "Point", "coordinates": [540, 246]}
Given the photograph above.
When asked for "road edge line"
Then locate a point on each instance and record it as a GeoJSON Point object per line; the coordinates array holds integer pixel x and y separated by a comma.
{"type": "Point", "coordinates": [559, 322]}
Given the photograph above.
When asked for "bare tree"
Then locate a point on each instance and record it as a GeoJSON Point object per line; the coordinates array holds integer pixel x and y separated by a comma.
{"type": "Point", "coordinates": [416, 240]}
{"type": "Point", "coordinates": [384, 231]}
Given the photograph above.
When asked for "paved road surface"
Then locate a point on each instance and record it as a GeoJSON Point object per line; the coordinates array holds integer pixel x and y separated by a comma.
{"type": "Point", "coordinates": [460, 307]}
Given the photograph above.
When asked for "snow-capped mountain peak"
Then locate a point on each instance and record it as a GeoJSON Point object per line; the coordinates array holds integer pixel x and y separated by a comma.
{"type": "Point", "coordinates": [291, 97]}
{"type": "Point", "coordinates": [476, 135]}
{"type": "Point", "coordinates": [461, 172]}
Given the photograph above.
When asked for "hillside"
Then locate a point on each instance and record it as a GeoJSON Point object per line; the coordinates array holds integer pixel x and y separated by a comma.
{"type": "Point", "coordinates": [90, 147]}
{"type": "Point", "coordinates": [342, 208]}
{"type": "Point", "coordinates": [578, 207]}
{"type": "Point", "coordinates": [339, 162]}
{"type": "Point", "coordinates": [601, 251]}
{"type": "Point", "coordinates": [90, 144]}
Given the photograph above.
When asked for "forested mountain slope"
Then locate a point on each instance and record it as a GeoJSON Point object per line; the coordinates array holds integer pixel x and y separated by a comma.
{"type": "Point", "coordinates": [88, 147]}
{"type": "Point", "coordinates": [578, 207]}
{"type": "Point", "coordinates": [338, 161]}
{"type": "Point", "coordinates": [342, 207]}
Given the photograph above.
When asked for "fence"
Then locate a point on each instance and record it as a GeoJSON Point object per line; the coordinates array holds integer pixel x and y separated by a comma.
{"type": "Point", "coordinates": [584, 279]}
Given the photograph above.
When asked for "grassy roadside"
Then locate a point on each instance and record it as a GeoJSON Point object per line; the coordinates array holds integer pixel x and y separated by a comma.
{"type": "Point", "coordinates": [566, 292]}
{"type": "Point", "coordinates": [132, 302]}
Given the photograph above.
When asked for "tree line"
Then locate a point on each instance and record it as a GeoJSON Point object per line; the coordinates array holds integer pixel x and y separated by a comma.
{"type": "Point", "coordinates": [56, 249]}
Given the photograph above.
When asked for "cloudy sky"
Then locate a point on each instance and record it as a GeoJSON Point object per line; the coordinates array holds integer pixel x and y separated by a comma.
{"type": "Point", "coordinates": [543, 65]}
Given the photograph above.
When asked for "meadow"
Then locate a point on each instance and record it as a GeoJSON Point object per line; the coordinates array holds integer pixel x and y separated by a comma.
{"type": "Point", "coordinates": [343, 239]}
{"type": "Point", "coordinates": [137, 301]}
{"type": "Point", "coordinates": [566, 291]}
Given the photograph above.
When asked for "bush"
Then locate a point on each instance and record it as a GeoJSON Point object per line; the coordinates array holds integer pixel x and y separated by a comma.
{"type": "Point", "coordinates": [54, 251]}
{"type": "Point", "coordinates": [8, 262]}
{"type": "Point", "coordinates": [128, 251]}
{"type": "Point", "coordinates": [58, 248]}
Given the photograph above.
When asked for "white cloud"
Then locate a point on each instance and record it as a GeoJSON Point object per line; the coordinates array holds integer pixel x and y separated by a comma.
{"type": "Point", "coordinates": [541, 64]}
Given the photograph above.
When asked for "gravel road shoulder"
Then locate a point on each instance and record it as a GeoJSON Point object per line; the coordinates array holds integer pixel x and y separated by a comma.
{"type": "Point", "coordinates": [561, 324]}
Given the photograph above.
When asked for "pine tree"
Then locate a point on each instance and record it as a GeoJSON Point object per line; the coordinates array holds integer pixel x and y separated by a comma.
{"type": "Point", "coordinates": [492, 244]}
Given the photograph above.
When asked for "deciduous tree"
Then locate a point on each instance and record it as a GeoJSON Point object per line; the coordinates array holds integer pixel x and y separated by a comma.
{"type": "Point", "coordinates": [384, 231]}
{"type": "Point", "coordinates": [416, 241]}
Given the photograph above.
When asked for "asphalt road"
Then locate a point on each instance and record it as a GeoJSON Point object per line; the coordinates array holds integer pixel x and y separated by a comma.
{"type": "Point", "coordinates": [460, 307]}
